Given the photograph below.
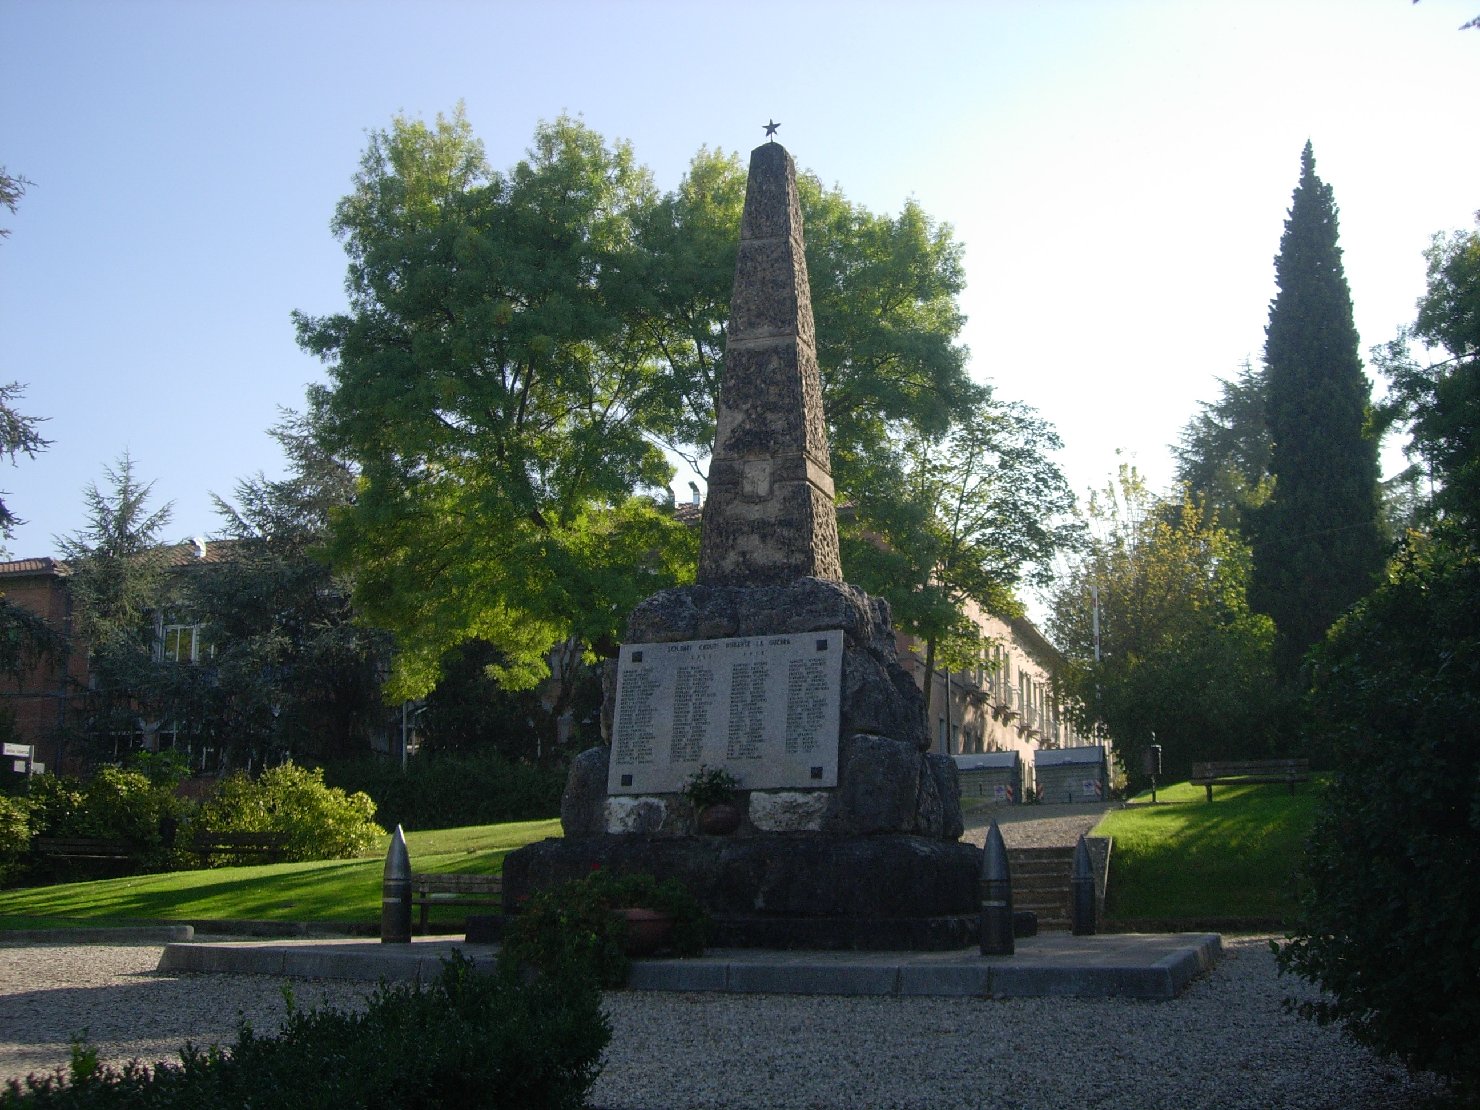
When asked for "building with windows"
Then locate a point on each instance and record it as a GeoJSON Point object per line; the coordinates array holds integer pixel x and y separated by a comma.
{"type": "Point", "coordinates": [38, 705]}
{"type": "Point", "coordinates": [1007, 702]}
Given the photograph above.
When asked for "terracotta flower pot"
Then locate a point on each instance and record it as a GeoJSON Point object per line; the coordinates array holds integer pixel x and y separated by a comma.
{"type": "Point", "coordinates": [647, 930]}
{"type": "Point", "coordinates": [719, 819]}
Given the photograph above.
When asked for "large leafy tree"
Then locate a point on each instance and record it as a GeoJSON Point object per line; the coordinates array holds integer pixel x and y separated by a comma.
{"type": "Point", "coordinates": [1438, 398]}
{"type": "Point", "coordinates": [490, 386]}
{"type": "Point", "coordinates": [944, 521]}
{"type": "Point", "coordinates": [119, 584]}
{"type": "Point", "coordinates": [1396, 700]}
{"type": "Point", "coordinates": [519, 344]}
{"type": "Point", "coordinates": [1318, 544]}
{"type": "Point", "coordinates": [884, 292]}
{"type": "Point", "coordinates": [295, 673]}
{"type": "Point", "coordinates": [1223, 453]}
{"type": "Point", "coordinates": [1178, 653]}
{"type": "Point", "coordinates": [22, 635]}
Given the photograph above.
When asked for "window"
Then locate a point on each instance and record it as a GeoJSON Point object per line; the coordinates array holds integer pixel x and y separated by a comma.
{"type": "Point", "coordinates": [183, 643]}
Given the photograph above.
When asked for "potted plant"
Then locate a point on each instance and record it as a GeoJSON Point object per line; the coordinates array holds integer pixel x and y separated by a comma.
{"type": "Point", "coordinates": [711, 791]}
{"type": "Point", "coordinates": [596, 923]}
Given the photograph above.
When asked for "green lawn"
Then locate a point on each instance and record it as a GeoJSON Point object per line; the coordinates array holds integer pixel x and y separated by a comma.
{"type": "Point", "coordinates": [1186, 860]}
{"type": "Point", "coordinates": [323, 891]}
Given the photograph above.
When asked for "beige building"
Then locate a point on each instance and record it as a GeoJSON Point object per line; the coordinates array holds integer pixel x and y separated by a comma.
{"type": "Point", "coordinates": [1006, 702]}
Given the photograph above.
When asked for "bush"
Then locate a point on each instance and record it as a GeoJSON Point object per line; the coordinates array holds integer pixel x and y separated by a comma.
{"type": "Point", "coordinates": [468, 1040]}
{"type": "Point", "coordinates": [318, 821]}
{"type": "Point", "coordinates": [572, 926]}
{"type": "Point", "coordinates": [114, 804]}
{"type": "Point", "coordinates": [447, 791]}
{"type": "Point", "coordinates": [15, 835]}
{"type": "Point", "coordinates": [1391, 902]}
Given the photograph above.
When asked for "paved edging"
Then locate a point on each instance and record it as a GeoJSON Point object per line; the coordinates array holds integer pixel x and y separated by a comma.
{"type": "Point", "coordinates": [1055, 964]}
{"type": "Point", "coordinates": [1125, 966]}
{"type": "Point", "coordinates": [107, 934]}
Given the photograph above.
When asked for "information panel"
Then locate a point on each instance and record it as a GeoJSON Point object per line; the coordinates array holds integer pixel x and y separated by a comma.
{"type": "Point", "coordinates": [765, 708]}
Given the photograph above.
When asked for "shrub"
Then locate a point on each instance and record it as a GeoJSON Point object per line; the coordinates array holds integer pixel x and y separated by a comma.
{"type": "Point", "coordinates": [318, 821]}
{"type": "Point", "coordinates": [1391, 901]}
{"type": "Point", "coordinates": [572, 926]}
{"type": "Point", "coordinates": [114, 804]}
{"type": "Point", "coordinates": [448, 791]}
{"type": "Point", "coordinates": [15, 835]}
{"type": "Point", "coordinates": [467, 1040]}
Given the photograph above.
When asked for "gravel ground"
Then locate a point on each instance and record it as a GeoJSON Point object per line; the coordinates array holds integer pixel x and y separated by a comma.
{"type": "Point", "coordinates": [1036, 826]}
{"type": "Point", "coordinates": [1226, 1042]}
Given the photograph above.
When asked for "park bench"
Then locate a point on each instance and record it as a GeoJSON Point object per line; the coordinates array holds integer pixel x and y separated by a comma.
{"type": "Point", "coordinates": [1240, 772]}
{"type": "Point", "coordinates": [428, 890]}
{"type": "Point", "coordinates": [83, 847]}
{"type": "Point", "coordinates": [270, 846]}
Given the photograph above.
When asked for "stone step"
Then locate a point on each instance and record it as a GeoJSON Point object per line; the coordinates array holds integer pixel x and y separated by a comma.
{"type": "Point", "coordinates": [1041, 883]}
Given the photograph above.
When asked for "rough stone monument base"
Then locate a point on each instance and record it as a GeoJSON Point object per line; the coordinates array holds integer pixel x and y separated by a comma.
{"type": "Point", "coordinates": [879, 893]}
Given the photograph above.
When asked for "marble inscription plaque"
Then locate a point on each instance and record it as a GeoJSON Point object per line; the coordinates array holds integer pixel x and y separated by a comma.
{"type": "Point", "coordinates": [765, 708]}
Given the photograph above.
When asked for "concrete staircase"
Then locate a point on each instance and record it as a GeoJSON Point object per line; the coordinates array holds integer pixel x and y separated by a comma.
{"type": "Point", "coordinates": [1040, 882]}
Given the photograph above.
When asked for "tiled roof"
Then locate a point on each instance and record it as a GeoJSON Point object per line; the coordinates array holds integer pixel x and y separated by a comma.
{"type": "Point", "coordinates": [170, 555]}
{"type": "Point", "coordinates": [188, 554]}
{"type": "Point", "coordinates": [19, 567]}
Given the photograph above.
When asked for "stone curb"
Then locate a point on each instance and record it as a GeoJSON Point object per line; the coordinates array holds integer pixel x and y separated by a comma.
{"type": "Point", "coordinates": [1054, 965]}
{"type": "Point", "coordinates": [420, 961]}
{"type": "Point", "coordinates": [108, 934]}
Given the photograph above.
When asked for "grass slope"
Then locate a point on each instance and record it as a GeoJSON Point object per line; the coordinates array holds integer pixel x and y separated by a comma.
{"type": "Point", "coordinates": [324, 890]}
{"type": "Point", "coordinates": [1185, 860]}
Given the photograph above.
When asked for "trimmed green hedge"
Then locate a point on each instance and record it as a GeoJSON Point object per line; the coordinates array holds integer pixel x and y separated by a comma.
{"type": "Point", "coordinates": [448, 791]}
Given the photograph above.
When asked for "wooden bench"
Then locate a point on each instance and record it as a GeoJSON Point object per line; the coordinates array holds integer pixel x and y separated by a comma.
{"type": "Point", "coordinates": [83, 847]}
{"type": "Point", "coordinates": [428, 890]}
{"type": "Point", "coordinates": [1240, 772]}
{"type": "Point", "coordinates": [268, 845]}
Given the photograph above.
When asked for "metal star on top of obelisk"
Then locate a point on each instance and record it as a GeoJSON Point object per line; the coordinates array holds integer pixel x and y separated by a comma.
{"type": "Point", "coordinates": [769, 518]}
{"type": "Point", "coordinates": [771, 126]}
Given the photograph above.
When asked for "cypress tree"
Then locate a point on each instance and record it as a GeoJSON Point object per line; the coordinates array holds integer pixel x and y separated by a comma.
{"type": "Point", "coordinates": [1318, 542]}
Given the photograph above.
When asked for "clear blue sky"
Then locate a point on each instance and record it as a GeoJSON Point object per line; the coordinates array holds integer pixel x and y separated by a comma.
{"type": "Point", "coordinates": [1119, 173]}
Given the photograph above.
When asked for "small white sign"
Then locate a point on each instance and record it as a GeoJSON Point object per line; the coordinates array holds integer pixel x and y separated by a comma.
{"type": "Point", "coordinates": [21, 750]}
{"type": "Point", "coordinates": [19, 766]}
{"type": "Point", "coordinates": [38, 768]}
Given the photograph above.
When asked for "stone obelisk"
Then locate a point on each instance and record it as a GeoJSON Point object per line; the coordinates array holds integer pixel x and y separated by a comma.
{"type": "Point", "coordinates": [775, 669]}
{"type": "Point", "coordinates": [769, 518]}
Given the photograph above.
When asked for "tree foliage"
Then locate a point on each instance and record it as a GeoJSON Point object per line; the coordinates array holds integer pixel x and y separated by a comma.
{"type": "Point", "coordinates": [1318, 546]}
{"type": "Point", "coordinates": [1438, 401]}
{"type": "Point", "coordinates": [295, 672]}
{"type": "Point", "coordinates": [941, 522]}
{"type": "Point", "coordinates": [1180, 654]}
{"type": "Point", "coordinates": [1393, 864]}
{"type": "Point", "coordinates": [1223, 453]}
{"type": "Point", "coordinates": [24, 636]}
{"type": "Point", "coordinates": [1393, 867]}
{"type": "Point", "coordinates": [487, 385]}
{"type": "Point", "coordinates": [12, 188]}
{"type": "Point", "coordinates": [118, 584]}
{"type": "Point", "coordinates": [519, 344]}
{"type": "Point", "coordinates": [884, 292]}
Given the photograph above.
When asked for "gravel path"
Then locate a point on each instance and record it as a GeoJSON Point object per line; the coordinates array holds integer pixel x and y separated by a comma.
{"type": "Point", "coordinates": [1225, 1043]}
{"type": "Point", "coordinates": [1036, 826]}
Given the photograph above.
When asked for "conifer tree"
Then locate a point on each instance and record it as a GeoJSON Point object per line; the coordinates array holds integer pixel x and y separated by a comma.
{"type": "Point", "coordinates": [1318, 543]}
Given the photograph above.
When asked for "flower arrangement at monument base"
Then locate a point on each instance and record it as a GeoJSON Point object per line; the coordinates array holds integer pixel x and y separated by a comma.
{"type": "Point", "coordinates": [711, 791]}
{"type": "Point", "coordinates": [597, 922]}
